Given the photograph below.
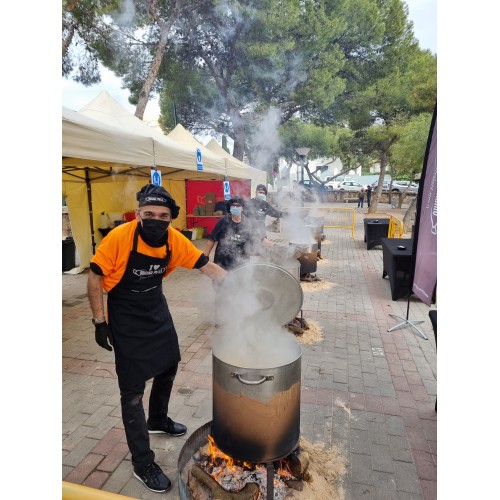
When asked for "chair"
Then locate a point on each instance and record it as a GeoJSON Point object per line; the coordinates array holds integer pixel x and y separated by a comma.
{"type": "Point", "coordinates": [433, 315]}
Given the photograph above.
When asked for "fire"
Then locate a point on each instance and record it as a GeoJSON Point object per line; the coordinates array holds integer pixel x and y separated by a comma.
{"type": "Point", "coordinates": [233, 474]}
{"type": "Point", "coordinates": [284, 471]}
{"type": "Point", "coordinates": [215, 453]}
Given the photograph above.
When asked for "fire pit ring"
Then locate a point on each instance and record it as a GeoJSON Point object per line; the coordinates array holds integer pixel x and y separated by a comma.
{"type": "Point", "coordinates": [197, 439]}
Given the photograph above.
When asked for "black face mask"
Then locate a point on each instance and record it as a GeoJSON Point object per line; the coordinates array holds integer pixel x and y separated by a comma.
{"type": "Point", "coordinates": [154, 231]}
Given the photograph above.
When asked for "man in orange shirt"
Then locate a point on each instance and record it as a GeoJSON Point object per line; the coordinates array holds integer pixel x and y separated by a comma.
{"type": "Point", "coordinates": [130, 264]}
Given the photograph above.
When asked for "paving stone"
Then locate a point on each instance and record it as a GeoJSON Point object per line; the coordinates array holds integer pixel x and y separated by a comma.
{"type": "Point", "coordinates": [406, 477]}
{"type": "Point", "coordinates": [385, 486]}
{"type": "Point", "coordinates": [79, 452]}
{"type": "Point", "coordinates": [361, 469]}
{"type": "Point", "coordinates": [400, 449]}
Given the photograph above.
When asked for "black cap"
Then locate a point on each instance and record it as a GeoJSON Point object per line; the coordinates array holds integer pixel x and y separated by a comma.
{"type": "Point", "coordinates": [234, 199]}
{"type": "Point", "coordinates": [157, 195]}
{"type": "Point", "coordinates": [261, 187]}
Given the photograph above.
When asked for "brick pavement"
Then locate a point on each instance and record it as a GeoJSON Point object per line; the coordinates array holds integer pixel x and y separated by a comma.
{"type": "Point", "coordinates": [365, 391]}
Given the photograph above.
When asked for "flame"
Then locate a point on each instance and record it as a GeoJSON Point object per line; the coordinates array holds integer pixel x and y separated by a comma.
{"type": "Point", "coordinates": [216, 453]}
{"type": "Point", "coordinates": [284, 470]}
{"type": "Point", "coordinates": [222, 465]}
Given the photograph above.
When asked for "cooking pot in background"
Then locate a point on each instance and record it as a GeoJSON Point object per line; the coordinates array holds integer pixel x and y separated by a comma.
{"type": "Point", "coordinates": [283, 256]}
{"type": "Point", "coordinates": [307, 256]}
{"type": "Point", "coordinates": [302, 248]}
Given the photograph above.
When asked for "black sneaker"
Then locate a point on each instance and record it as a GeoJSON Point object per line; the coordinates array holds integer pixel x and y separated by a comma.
{"type": "Point", "coordinates": [153, 477]}
{"type": "Point", "coordinates": [168, 427]}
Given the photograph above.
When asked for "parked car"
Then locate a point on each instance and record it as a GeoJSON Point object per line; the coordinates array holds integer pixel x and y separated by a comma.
{"type": "Point", "coordinates": [308, 184]}
{"type": "Point", "coordinates": [344, 186]}
{"type": "Point", "coordinates": [397, 186]}
{"type": "Point", "coordinates": [385, 186]}
{"type": "Point", "coordinates": [406, 186]}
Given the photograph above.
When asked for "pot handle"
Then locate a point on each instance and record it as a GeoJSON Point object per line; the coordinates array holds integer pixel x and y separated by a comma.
{"type": "Point", "coordinates": [252, 382]}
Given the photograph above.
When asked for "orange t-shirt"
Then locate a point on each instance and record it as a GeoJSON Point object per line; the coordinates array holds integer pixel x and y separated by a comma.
{"type": "Point", "coordinates": [113, 252]}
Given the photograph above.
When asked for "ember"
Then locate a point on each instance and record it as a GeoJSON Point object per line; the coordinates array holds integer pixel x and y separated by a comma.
{"type": "Point", "coordinates": [321, 470]}
{"type": "Point", "coordinates": [235, 479]}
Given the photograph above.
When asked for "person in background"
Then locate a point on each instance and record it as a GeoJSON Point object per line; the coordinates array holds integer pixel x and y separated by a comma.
{"type": "Point", "coordinates": [361, 197]}
{"type": "Point", "coordinates": [130, 264]}
{"type": "Point", "coordinates": [258, 208]}
{"type": "Point", "coordinates": [237, 236]}
{"type": "Point", "coordinates": [368, 195]}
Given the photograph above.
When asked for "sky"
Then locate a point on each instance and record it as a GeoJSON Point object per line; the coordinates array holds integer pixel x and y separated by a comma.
{"type": "Point", "coordinates": [423, 13]}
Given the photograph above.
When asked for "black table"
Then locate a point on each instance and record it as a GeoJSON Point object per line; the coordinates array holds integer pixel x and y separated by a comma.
{"type": "Point", "coordinates": [371, 219]}
{"type": "Point", "coordinates": [397, 265]}
{"type": "Point", "coordinates": [375, 230]}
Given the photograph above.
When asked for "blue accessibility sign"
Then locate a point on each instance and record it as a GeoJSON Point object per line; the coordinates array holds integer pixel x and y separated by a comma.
{"type": "Point", "coordinates": [155, 177]}
{"type": "Point", "coordinates": [227, 190]}
{"type": "Point", "coordinates": [199, 162]}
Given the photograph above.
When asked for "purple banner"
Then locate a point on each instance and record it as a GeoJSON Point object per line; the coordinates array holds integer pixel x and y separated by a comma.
{"type": "Point", "coordinates": [425, 277]}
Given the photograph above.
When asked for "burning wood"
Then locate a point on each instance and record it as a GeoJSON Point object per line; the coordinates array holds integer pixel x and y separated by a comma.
{"type": "Point", "coordinates": [228, 479]}
{"type": "Point", "coordinates": [249, 492]}
{"type": "Point", "coordinates": [298, 462]}
{"type": "Point", "coordinates": [311, 333]}
{"type": "Point", "coordinates": [297, 326]}
{"type": "Point", "coordinates": [309, 277]}
{"type": "Point", "coordinates": [319, 475]}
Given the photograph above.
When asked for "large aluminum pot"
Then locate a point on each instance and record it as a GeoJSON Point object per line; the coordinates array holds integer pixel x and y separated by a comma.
{"type": "Point", "coordinates": [283, 256]}
{"type": "Point", "coordinates": [258, 294]}
{"type": "Point", "coordinates": [256, 411]}
{"type": "Point", "coordinates": [302, 248]}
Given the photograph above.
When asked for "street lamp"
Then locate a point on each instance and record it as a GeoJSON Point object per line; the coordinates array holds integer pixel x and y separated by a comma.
{"type": "Point", "coordinates": [302, 152]}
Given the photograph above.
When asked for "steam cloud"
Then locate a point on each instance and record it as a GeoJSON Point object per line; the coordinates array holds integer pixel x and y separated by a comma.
{"type": "Point", "coordinates": [250, 304]}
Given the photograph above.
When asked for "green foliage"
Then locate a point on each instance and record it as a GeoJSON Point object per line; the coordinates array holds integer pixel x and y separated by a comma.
{"type": "Point", "coordinates": [321, 140]}
{"type": "Point", "coordinates": [407, 155]}
{"type": "Point", "coordinates": [86, 37]}
{"type": "Point", "coordinates": [346, 75]}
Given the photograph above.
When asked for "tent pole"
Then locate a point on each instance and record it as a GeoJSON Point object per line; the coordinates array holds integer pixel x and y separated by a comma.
{"type": "Point", "coordinates": [91, 214]}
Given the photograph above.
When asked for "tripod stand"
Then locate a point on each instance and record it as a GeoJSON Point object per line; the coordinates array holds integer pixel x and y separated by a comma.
{"type": "Point", "coordinates": [407, 322]}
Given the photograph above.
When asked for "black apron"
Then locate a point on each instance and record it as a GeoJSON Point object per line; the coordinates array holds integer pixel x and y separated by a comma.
{"type": "Point", "coordinates": [144, 337]}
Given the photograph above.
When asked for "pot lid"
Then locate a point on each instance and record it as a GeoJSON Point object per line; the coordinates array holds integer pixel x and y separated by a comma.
{"type": "Point", "coordinates": [262, 293]}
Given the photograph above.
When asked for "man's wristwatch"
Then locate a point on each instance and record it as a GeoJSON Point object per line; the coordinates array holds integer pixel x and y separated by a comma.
{"type": "Point", "coordinates": [98, 321]}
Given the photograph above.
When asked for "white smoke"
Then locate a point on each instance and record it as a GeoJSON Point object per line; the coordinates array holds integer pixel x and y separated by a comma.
{"type": "Point", "coordinates": [252, 309]}
{"type": "Point", "coordinates": [266, 140]}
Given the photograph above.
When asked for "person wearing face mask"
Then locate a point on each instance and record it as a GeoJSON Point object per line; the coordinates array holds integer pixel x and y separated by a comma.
{"type": "Point", "coordinates": [236, 236]}
{"type": "Point", "coordinates": [258, 208]}
{"type": "Point", "coordinates": [130, 264]}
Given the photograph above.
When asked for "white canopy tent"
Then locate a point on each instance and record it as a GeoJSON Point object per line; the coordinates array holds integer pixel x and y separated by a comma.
{"type": "Point", "coordinates": [105, 161]}
{"type": "Point", "coordinates": [237, 168]}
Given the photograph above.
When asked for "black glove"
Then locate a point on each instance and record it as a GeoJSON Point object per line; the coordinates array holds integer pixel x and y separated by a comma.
{"type": "Point", "coordinates": [103, 335]}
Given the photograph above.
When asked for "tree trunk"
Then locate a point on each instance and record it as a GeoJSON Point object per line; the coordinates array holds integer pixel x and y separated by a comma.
{"type": "Point", "coordinates": [67, 41]}
{"type": "Point", "coordinates": [375, 195]}
{"type": "Point", "coordinates": [160, 52]}
{"type": "Point", "coordinates": [239, 133]}
{"type": "Point", "coordinates": [409, 217]}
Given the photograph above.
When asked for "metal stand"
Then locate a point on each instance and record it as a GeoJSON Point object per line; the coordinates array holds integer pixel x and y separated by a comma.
{"type": "Point", "coordinates": [407, 322]}
{"type": "Point", "coordinates": [270, 480]}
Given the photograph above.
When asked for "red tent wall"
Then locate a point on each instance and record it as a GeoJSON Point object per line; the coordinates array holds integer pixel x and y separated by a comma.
{"type": "Point", "coordinates": [195, 196]}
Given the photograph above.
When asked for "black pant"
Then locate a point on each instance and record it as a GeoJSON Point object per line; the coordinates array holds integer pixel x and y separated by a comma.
{"type": "Point", "coordinates": [134, 419]}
